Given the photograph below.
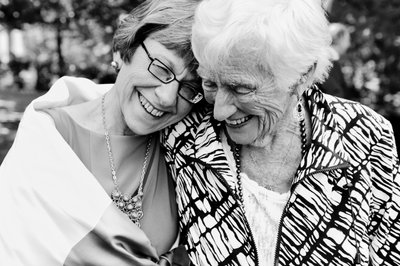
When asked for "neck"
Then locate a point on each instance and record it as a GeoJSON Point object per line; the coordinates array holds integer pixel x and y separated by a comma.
{"type": "Point", "coordinates": [273, 166]}
{"type": "Point", "coordinates": [89, 115]}
{"type": "Point", "coordinates": [115, 120]}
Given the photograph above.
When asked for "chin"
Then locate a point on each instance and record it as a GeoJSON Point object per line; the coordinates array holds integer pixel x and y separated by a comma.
{"type": "Point", "coordinates": [242, 139]}
{"type": "Point", "coordinates": [254, 141]}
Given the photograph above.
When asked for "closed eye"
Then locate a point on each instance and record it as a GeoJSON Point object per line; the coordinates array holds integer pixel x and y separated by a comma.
{"type": "Point", "coordinates": [160, 69]}
{"type": "Point", "coordinates": [209, 85]}
{"type": "Point", "coordinates": [242, 90]}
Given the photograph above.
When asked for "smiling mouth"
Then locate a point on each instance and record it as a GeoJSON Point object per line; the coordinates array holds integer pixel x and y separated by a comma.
{"type": "Point", "coordinates": [238, 122]}
{"type": "Point", "coordinates": [150, 109]}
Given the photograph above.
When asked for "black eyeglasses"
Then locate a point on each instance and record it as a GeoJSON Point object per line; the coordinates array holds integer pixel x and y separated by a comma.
{"type": "Point", "coordinates": [189, 91]}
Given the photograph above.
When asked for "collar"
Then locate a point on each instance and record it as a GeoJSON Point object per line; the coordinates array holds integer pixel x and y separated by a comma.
{"type": "Point", "coordinates": [325, 152]}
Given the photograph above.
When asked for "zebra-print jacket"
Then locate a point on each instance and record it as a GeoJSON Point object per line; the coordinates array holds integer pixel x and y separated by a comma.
{"type": "Point", "coordinates": [344, 203]}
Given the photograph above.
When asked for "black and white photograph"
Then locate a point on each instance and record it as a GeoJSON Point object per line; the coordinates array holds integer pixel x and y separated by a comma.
{"type": "Point", "coordinates": [199, 133]}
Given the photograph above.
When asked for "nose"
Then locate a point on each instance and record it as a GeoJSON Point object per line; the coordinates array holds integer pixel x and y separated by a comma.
{"type": "Point", "coordinates": [224, 104]}
{"type": "Point", "coordinates": [167, 95]}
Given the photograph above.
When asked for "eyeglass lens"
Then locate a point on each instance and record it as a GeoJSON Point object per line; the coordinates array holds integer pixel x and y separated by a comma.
{"type": "Point", "coordinates": [164, 74]}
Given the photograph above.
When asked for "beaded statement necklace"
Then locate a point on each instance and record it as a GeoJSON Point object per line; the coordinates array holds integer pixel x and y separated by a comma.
{"type": "Point", "coordinates": [131, 206]}
{"type": "Point", "coordinates": [299, 115]}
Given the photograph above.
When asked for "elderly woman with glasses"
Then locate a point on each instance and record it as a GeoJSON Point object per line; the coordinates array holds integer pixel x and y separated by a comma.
{"type": "Point", "coordinates": [86, 183]}
{"type": "Point", "coordinates": [277, 172]}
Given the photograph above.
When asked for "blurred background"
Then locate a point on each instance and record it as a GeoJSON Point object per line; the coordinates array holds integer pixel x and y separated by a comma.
{"type": "Point", "coordinates": [43, 40]}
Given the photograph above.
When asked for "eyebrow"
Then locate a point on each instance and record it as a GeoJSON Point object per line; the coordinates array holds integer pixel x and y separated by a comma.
{"type": "Point", "coordinates": [230, 82]}
{"type": "Point", "coordinates": [239, 84]}
{"type": "Point", "coordinates": [202, 72]}
{"type": "Point", "coordinates": [163, 59]}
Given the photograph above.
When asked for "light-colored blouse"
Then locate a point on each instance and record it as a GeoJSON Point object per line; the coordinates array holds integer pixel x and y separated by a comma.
{"type": "Point", "coordinates": [263, 210]}
{"type": "Point", "coordinates": [160, 216]}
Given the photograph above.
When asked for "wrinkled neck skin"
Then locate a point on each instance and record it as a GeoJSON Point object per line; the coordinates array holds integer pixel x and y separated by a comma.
{"type": "Point", "coordinates": [274, 164]}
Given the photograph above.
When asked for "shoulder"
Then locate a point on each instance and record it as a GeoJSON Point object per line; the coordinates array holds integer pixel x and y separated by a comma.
{"type": "Point", "coordinates": [351, 115]}
{"type": "Point", "coordinates": [366, 135]}
{"type": "Point", "coordinates": [193, 137]}
{"type": "Point", "coordinates": [362, 130]}
{"type": "Point", "coordinates": [62, 120]}
{"type": "Point", "coordinates": [185, 131]}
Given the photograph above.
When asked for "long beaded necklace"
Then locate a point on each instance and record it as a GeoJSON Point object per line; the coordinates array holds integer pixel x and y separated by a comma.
{"type": "Point", "coordinates": [131, 206]}
{"type": "Point", "coordinates": [299, 114]}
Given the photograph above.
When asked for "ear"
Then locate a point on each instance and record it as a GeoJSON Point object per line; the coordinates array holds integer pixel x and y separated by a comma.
{"type": "Point", "coordinates": [305, 81]}
{"type": "Point", "coordinates": [117, 59]}
{"type": "Point", "coordinates": [305, 78]}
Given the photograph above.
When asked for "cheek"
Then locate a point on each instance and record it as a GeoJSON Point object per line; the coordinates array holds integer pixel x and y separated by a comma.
{"type": "Point", "coordinates": [271, 102]}
{"type": "Point", "coordinates": [256, 105]}
{"type": "Point", "coordinates": [268, 110]}
{"type": "Point", "coordinates": [183, 109]}
{"type": "Point", "coordinates": [125, 85]}
{"type": "Point", "coordinates": [209, 97]}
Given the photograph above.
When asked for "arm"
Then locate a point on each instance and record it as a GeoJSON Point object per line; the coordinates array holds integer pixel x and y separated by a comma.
{"type": "Point", "coordinates": [384, 226]}
{"type": "Point", "coordinates": [70, 90]}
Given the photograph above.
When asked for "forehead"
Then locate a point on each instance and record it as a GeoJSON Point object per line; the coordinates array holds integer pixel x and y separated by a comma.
{"type": "Point", "coordinates": [156, 48]}
{"type": "Point", "coordinates": [233, 74]}
{"type": "Point", "coordinates": [169, 56]}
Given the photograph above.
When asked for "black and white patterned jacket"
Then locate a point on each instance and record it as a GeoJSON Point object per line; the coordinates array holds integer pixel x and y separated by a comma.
{"type": "Point", "coordinates": [344, 207]}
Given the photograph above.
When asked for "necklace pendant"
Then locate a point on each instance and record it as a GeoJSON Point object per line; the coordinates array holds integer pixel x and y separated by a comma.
{"type": "Point", "coordinates": [136, 215]}
{"type": "Point", "coordinates": [130, 206]}
{"type": "Point", "coordinates": [115, 194]}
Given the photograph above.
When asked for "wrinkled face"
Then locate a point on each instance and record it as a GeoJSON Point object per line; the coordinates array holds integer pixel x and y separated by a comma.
{"type": "Point", "coordinates": [147, 104]}
{"type": "Point", "coordinates": [249, 104]}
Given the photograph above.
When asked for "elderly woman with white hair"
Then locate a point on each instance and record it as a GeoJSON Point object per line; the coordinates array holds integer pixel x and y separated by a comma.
{"type": "Point", "coordinates": [276, 172]}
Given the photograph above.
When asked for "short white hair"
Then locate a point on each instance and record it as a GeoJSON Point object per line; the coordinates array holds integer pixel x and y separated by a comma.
{"type": "Point", "coordinates": [283, 38]}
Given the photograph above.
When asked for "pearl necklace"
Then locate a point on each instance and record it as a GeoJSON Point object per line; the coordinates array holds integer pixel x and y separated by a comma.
{"type": "Point", "coordinates": [131, 206]}
{"type": "Point", "coordinates": [299, 114]}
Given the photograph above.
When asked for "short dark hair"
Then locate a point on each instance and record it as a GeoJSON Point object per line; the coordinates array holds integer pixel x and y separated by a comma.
{"type": "Point", "coordinates": [166, 21]}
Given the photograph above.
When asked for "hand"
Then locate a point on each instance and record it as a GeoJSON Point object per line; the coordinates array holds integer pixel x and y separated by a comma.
{"type": "Point", "coordinates": [165, 259]}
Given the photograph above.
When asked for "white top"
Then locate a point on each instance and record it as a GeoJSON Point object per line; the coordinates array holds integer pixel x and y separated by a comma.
{"type": "Point", "coordinates": [263, 209]}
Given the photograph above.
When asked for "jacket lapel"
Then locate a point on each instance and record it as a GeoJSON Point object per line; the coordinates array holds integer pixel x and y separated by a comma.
{"type": "Point", "coordinates": [317, 193]}
{"type": "Point", "coordinates": [208, 147]}
{"type": "Point", "coordinates": [326, 150]}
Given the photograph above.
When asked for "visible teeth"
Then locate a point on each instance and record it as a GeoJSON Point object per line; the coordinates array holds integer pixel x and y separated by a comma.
{"type": "Point", "coordinates": [150, 108]}
{"type": "Point", "coordinates": [238, 121]}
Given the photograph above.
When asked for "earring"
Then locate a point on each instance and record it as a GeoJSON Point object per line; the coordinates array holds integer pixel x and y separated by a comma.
{"type": "Point", "coordinates": [115, 65]}
{"type": "Point", "coordinates": [298, 111]}
{"type": "Point", "coordinates": [302, 121]}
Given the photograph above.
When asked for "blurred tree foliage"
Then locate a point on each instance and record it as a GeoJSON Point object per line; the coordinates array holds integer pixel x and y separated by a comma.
{"type": "Point", "coordinates": [63, 13]}
{"type": "Point", "coordinates": [87, 22]}
{"type": "Point", "coordinates": [373, 60]}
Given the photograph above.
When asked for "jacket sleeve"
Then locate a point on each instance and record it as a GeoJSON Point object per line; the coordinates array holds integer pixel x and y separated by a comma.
{"type": "Point", "coordinates": [384, 227]}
